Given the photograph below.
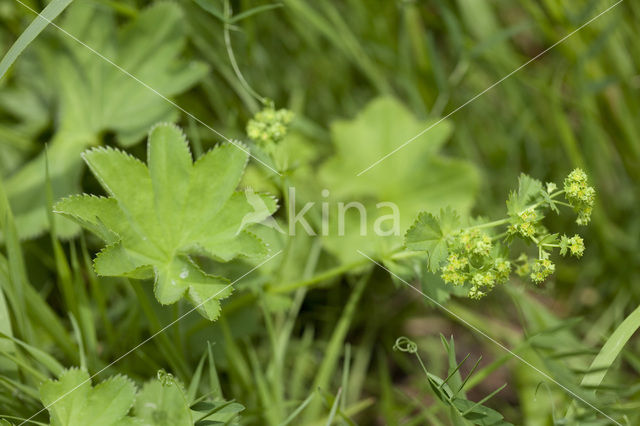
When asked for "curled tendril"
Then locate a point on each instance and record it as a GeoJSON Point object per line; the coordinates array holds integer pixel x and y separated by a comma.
{"type": "Point", "coordinates": [166, 379]}
{"type": "Point", "coordinates": [403, 344]}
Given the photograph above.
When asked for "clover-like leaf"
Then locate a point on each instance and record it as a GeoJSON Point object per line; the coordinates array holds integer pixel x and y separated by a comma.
{"type": "Point", "coordinates": [430, 234]}
{"type": "Point", "coordinates": [157, 216]}
{"type": "Point", "coordinates": [72, 401]}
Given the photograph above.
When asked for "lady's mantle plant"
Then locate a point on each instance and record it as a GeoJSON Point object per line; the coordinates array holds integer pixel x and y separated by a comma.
{"type": "Point", "coordinates": [478, 255]}
{"type": "Point", "coordinates": [72, 401]}
{"type": "Point", "coordinates": [156, 216]}
{"type": "Point", "coordinates": [269, 126]}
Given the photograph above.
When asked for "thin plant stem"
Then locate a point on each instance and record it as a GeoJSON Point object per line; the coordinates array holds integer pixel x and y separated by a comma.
{"type": "Point", "coordinates": [232, 57]}
{"type": "Point", "coordinates": [489, 224]}
{"type": "Point", "coordinates": [331, 273]}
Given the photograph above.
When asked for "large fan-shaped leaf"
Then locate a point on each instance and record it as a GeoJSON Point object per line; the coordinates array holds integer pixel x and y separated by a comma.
{"type": "Point", "coordinates": [158, 215]}
{"type": "Point", "coordinates": [93, 96]}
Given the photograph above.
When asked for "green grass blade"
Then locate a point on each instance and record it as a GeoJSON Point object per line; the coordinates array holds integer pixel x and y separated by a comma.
{"type": "Point", "coordinates": [26, 367]}
{"type": "Point", "coordinates": [5, 330]}
{"type": "Point", "coordinates": [334, 348]}
{"type": "Point", "coordinates": [253, 11]}
{"type": "Point", "coordinates": [192, 390]}
{"type": "Point", "coordinates": [346, 370]}
{"type": "Point", "coordinates": [79, 340]}
{"type": "Point", "coordinates": [46, 360]}
{"type": "Point", "coordinates": [612, 349]}
{"type": "Point", "coordinates": [49, 13]}
{"type": "Point", "coordinates": [334, 408]}
{"type": "Point", "coordinates": [16, 271]}
{"type": "Point", "coordinates": [299, 409]}
{"type": "Point", "coordinates": [214, 380]}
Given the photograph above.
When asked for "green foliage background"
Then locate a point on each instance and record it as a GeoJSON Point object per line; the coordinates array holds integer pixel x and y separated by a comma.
{"type": "Point", "coordinates": [315, 329]}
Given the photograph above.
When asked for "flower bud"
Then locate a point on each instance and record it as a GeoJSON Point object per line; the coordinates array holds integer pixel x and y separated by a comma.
{"type": "Point", "coordinates": [269, 125]}
{"type": "Point", "coordinates": [541, 269]}
{"type": "Point", "coordinates": [580, 196]}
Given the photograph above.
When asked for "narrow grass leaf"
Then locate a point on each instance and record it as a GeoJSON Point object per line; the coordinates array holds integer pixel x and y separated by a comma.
{"type": "Point", "coordinates": [612, 349]}
{"type": "Point", "coordinates": [49, 13]}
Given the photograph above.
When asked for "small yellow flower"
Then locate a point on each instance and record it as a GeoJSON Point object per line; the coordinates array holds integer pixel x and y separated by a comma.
{"type": "Point", "coordinates": [455, 278]}
{"type": "Point", "coordinates": [503, 269]}
{"type": "Point", "coordinates": [269, 125]}
{"type": "Point", "coordinates": [484, 279]}
{"type": "Point", "coordinates": [456, 262]}
{"type": "Point", "coordinates": [541, 269]}
{"type": "Point", "coordinates": [580, 196]}
{"type": "Point", "coordinates": [476, 293]}
{"type": "Point", "coordinates": [475, 242]}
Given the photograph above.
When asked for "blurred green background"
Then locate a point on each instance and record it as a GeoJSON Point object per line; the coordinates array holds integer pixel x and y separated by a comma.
{"type": "Point", "coordinates": [578, 105]}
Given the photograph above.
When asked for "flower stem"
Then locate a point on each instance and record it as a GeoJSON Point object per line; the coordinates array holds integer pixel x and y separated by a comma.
{"type": "Point", "coordinates": [323, 276]}
{"type": "Point", "coordinates": [489, 224]}
{"type": "Point", "coordinates": [232, 58]}
{"type": "Point", "coordinates": [406, 254]}
{"type": "Point", "coordinates": [507, 219]}
{"type": "Point", "coordinates": [562, 203]}
{"type": "Point", "coordinates": [552, 196]}
{"type": "Point", "coordinates": [497, 237]}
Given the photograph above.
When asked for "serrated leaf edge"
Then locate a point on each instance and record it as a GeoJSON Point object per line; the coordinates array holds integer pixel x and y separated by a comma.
{"type": "Point", "coordinates": [107, 247]}
{"type": "Point", "coordinates": [77, 197]}
{"type": "Point", "coordinates": [106, 150]}
{"type": "Point", "coordinates": [415, 225]}
{"type": "Point", "coordinates": [183, 136]}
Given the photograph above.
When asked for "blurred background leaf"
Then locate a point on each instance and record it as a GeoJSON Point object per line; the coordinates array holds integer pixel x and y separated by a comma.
{"type": "Point", "coordinates": [577, 105]}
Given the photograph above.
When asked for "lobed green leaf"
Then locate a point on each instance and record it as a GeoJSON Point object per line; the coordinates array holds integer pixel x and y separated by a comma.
{"type": "Point", "coordinates": [158, 215]}
{"type": "Point", "coordinates": [429, 233]}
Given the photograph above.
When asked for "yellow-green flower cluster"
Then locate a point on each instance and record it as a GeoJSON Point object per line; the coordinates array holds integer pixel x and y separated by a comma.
{"type": "Point", "coordinates": [269, 125]}
{"type": "Point", "coordinates": [579, 195]}
{"type": "Point", "coordinates": [502, 268]}
{"type": "Point", "coordinates": [476, 293]}
{"type": "Point", "coordinates": [481, 283]}
{"type": "Point", "coordinates": [527, 225]}
{"type": "Point", "coordinates": [454, 271]}
{"type": "Point", "coordinates": [479, 258]}
{"type": "Point", "coordinates": [471, 261]}
{"type": "Point", "coordinates": [574, 245]}
{"type": "Point", "coordinates": [541, 269]}
{"type": "Point", "coordinates": [475, 242]}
